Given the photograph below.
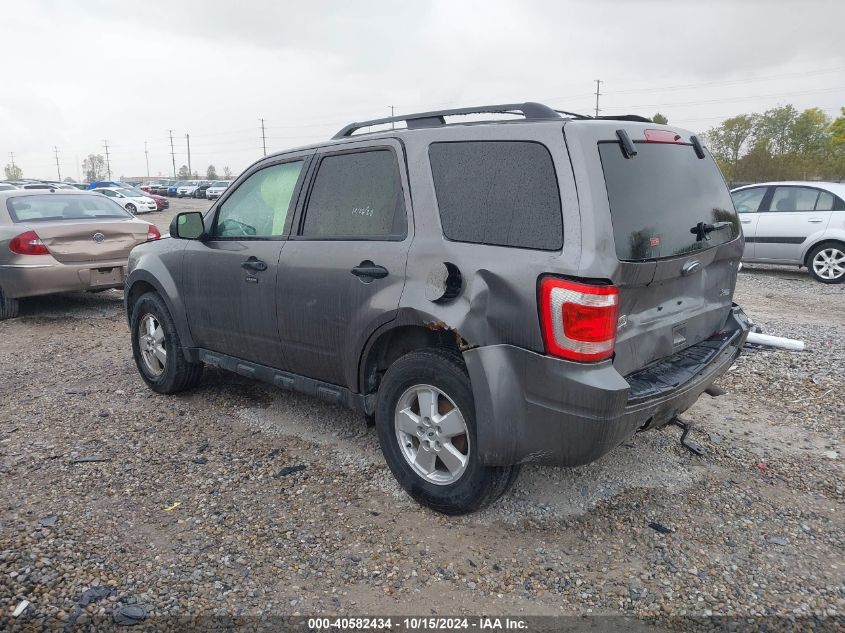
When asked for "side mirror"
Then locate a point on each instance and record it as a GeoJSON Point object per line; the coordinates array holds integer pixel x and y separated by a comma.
{"type": "Point", "coordinates": [188, 226]}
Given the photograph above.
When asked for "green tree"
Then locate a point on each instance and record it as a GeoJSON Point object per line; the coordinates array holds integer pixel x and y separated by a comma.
{"type": "Point", "coordinates": [211, 173]}
{"type": "Point", "coordinates": [227, 173]}
{"type": "Point", "coordinates": [94, 167]}
{"type": "Point", "coordinates": [774, 128]}
{"type": "Point", "coordinates": [660, 119]}
{"type": "Point", "coordinates": [728, 141]}
{"type": "Point", "coordinates": [183, 173]}
{"type": "Point", "coordinates": [13, 172]}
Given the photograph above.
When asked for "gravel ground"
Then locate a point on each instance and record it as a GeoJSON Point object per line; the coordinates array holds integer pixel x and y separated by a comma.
{"type": "Point", "coordinates": [194, 513]}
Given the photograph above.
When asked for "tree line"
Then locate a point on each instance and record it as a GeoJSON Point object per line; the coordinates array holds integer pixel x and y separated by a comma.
{"type": "Point", "coordinates": [780, 144]}
{"type": "Point", "coordinates": [95, 169]}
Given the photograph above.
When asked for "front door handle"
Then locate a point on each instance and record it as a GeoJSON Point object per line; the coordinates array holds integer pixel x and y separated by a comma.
{"type": "Point", "coordinates": [815, 220]}
{"type": "Point", "coordinates": [368, 271]}
{"type": "Point", "coordinates": [253, 263]}
{"type": "Point", "coordinates": [746, 221]}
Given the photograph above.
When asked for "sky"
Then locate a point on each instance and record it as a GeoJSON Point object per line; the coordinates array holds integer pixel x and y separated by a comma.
{"type": "Point", "coordinates": [79, 74]}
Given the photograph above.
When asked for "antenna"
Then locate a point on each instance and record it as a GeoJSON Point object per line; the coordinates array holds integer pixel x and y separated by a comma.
{"type": "Point", "coordinates": [263, 137]}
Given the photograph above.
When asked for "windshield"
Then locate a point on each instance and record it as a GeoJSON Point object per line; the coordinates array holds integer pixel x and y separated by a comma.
{"type": "Point", "coordinates": [59, 207]}
{"type": "Point", "coordinates": [660, 198]}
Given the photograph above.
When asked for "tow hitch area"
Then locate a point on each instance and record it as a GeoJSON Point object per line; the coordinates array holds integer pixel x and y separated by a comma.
{"type": "Point", "coordinates": [689, 444]}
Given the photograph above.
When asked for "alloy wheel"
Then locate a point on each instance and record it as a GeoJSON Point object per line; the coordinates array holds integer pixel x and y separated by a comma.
{"type": "Point", "coordinates": [151, 345]}
{"type": "Point", "coordinates": [829, 263]}
{"type": "Point", "coordinates": [432, 434]}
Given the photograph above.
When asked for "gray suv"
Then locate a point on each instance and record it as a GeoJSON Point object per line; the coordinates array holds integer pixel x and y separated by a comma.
{"type": "Point", "coordinates": [532, 289]}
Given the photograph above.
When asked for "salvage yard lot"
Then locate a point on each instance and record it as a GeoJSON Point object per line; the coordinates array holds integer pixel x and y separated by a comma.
{"type": "Point", "coordinates": [195, 511]}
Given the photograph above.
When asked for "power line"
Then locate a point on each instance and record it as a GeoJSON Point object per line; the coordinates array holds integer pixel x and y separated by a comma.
{"type": "Point", "coordinates": [172, 153]}
{"type": "Point", "coordinates": [263, 137]}
{"type": "Point", "coordinates": [58, 169]}
{"type": "Point", "coordinates": [108, 163]}
{"type": "Point", "coordinates": [598, 94]}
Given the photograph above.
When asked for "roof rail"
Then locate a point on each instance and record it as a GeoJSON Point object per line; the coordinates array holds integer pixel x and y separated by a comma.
{"type": "Point", "coordinates": [529, 109]}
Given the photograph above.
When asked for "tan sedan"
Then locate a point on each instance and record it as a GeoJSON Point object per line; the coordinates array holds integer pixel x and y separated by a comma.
{"type": "Point", "coordinates": [61, 240]}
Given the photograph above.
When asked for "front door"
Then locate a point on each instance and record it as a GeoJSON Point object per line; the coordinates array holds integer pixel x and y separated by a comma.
{"type": "Point", "coordinates": [343, 270]}
{"type": "Point", "coordinates": [747, 203]}
{"type": "Point", "coordinates": [793, 214]}
{"type": "Point", "coordinates": [229, 279]}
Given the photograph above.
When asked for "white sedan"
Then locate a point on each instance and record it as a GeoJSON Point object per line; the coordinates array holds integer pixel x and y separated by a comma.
{"type": "Point", "coordinates": [216, 189]}
{"type": "Point", "coordinates": [187, 188]}
{"type": "Point", "coordinates": [130, 199]}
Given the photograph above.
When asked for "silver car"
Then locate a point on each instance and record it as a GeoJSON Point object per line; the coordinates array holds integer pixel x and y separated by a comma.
{"type": "Point", "coordinates": [801, 223]}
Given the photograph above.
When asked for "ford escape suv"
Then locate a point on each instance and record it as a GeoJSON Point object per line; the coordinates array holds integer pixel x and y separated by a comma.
{"type": "Point", "coordinates": [532, 289]}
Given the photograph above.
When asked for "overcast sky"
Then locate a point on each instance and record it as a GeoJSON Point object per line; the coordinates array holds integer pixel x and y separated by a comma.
{"type": "Point", "coordinates": [77, 73]}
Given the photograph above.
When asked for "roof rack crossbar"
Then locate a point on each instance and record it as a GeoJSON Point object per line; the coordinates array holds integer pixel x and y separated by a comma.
{"type": "Point", "coordinates": [529, 109]}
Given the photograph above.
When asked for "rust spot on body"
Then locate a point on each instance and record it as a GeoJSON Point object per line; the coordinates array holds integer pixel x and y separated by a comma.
{"type": "Point", "coordinates": [435, 326]}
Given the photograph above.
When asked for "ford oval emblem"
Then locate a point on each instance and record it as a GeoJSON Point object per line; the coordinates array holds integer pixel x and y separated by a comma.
{"type": "Point", "coordinates": [690, 267]}
{"type": "Point", "coordinates": [99, 237]}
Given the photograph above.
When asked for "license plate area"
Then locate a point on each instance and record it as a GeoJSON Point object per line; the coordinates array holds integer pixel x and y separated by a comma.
{"type": "Point", "coordinates": [106, 276]}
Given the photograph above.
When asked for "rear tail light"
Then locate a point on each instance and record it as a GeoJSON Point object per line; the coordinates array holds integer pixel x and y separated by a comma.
{"type": "Point", "coordinates": [153, 233]}
{"type": "Point", "coordinates": [578, 320]}
{"type": "Point", "coordinates": [28, 244]}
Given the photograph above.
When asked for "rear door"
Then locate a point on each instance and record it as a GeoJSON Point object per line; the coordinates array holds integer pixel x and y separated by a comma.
{"type": "Point", "coordinates": [229, 280]}
{"type": "Point", "coordinates": [343, 270]}
{"type": "Point", "coordinates": [747, 203]}
{"type": "Point", "coordinates": [662, 227]}
{"type": "Point", "coordinates": [792, 215]}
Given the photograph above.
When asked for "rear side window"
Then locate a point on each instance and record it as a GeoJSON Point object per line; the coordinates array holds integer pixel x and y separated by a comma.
{"type": "Point", "coordinates": [659, 198]}
{"type": "Point", "coordinates": [503, 193]}
{"type": "Point", "coordinates": [356, 196]}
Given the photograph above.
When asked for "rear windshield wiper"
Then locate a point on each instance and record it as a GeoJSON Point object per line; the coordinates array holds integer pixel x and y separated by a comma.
{"type": "Point", "coordinates": [702, 230]}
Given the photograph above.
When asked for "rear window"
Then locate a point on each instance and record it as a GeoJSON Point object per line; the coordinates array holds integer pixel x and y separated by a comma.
{"type": "Point", "coordinates": [502, 193]}
{"type": "Point", "coordinates": [57, 207]}
{"type": "Point", "coordinates": [658, 198]}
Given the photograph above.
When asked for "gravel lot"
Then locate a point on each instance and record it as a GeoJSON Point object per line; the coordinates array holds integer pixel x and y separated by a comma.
{"type": "Point", "coordinates": [192, 514]}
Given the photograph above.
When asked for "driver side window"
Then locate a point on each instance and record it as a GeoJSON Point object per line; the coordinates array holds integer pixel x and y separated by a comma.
{"type": "Point", "coordinates": [748, 200]}
{"type": "Point", "coordinates": [259, 207]}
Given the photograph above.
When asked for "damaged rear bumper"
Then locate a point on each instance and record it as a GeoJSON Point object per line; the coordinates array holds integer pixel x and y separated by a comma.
{"type": "Point", "coordinates": [532, 408]}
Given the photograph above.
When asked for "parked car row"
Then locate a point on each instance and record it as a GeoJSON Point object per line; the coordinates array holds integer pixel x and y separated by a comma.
{"type": "Point", "coordinates": [185, 188]}
{"type": "Point", "coordinates": [9, 185]}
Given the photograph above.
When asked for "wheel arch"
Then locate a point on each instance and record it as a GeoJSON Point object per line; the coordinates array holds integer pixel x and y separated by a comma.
{"type": "Point", "coordinates": [397, 338]}
{"type": "Point", "coordinates": [142, 281]}
{"type": "Point", "coordinates": [827, 239]}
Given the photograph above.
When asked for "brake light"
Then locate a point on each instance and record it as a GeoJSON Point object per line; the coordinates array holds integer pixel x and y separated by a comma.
{"type": "Point", "coordinates": [153, 233]}
{"type": "Point", "coordinates": [662, 136]}
{"type": "Point", "coordinates": [28, 244]}
{"type": "Point", "coordinates": [578, 320]}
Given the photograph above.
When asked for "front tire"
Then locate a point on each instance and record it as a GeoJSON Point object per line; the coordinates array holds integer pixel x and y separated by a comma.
{"type": "Point", "coordinates": [9, 307]}
{"type": "Point", "coordinates": [826, 263]}
{"type": "Point", "coordinates": [157, 349]}
{"type": "Point", "coordinates": [425, 418]}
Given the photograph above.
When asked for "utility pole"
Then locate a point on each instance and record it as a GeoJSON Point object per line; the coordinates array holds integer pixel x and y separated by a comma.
{"type": "Point", "coordinates": [172, 153]}
{"type": "Point", "coordinates": [263, 137]}
{"type": "Point", "coordinates": [58, 169]}
{"type": "Point", "coordinates": [108, 162]}
{"type": "Point", "coordinates": [392, 123]}
{"type": "Point", "coordinates": [188, 139]}
{"type": "Point", "coordinates": [598, 94]}
{"type": "Point", "coordinates": [147, 156]}
{"type": "Point", "coordinates": [12, 155]}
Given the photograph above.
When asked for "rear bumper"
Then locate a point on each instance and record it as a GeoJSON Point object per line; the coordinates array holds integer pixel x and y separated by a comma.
{"type": "Point", "coordinates": [532, 408]}
{"type": "Point", "coordinates": [20, 281]}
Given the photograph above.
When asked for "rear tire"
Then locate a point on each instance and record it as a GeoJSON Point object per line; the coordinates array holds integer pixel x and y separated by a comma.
{"type": "Point", "coordinates": [9, 307]}
{"type": "Point", "coordinates": [423, 400]}
{"type": "Point", "coordinates": [826, 262]}
{"type": "Point", "coordinates": [157, 349]}
{"type": "Point", "coordinates": [131, 208]}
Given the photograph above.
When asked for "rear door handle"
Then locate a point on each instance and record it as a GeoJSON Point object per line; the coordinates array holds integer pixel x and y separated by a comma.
{"type": "Point", "coordinates": [815, 220]}
{"type": "Point", "coordinates": [367, 270]}
{"type": "Point", "coordinates": [253, 263]}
